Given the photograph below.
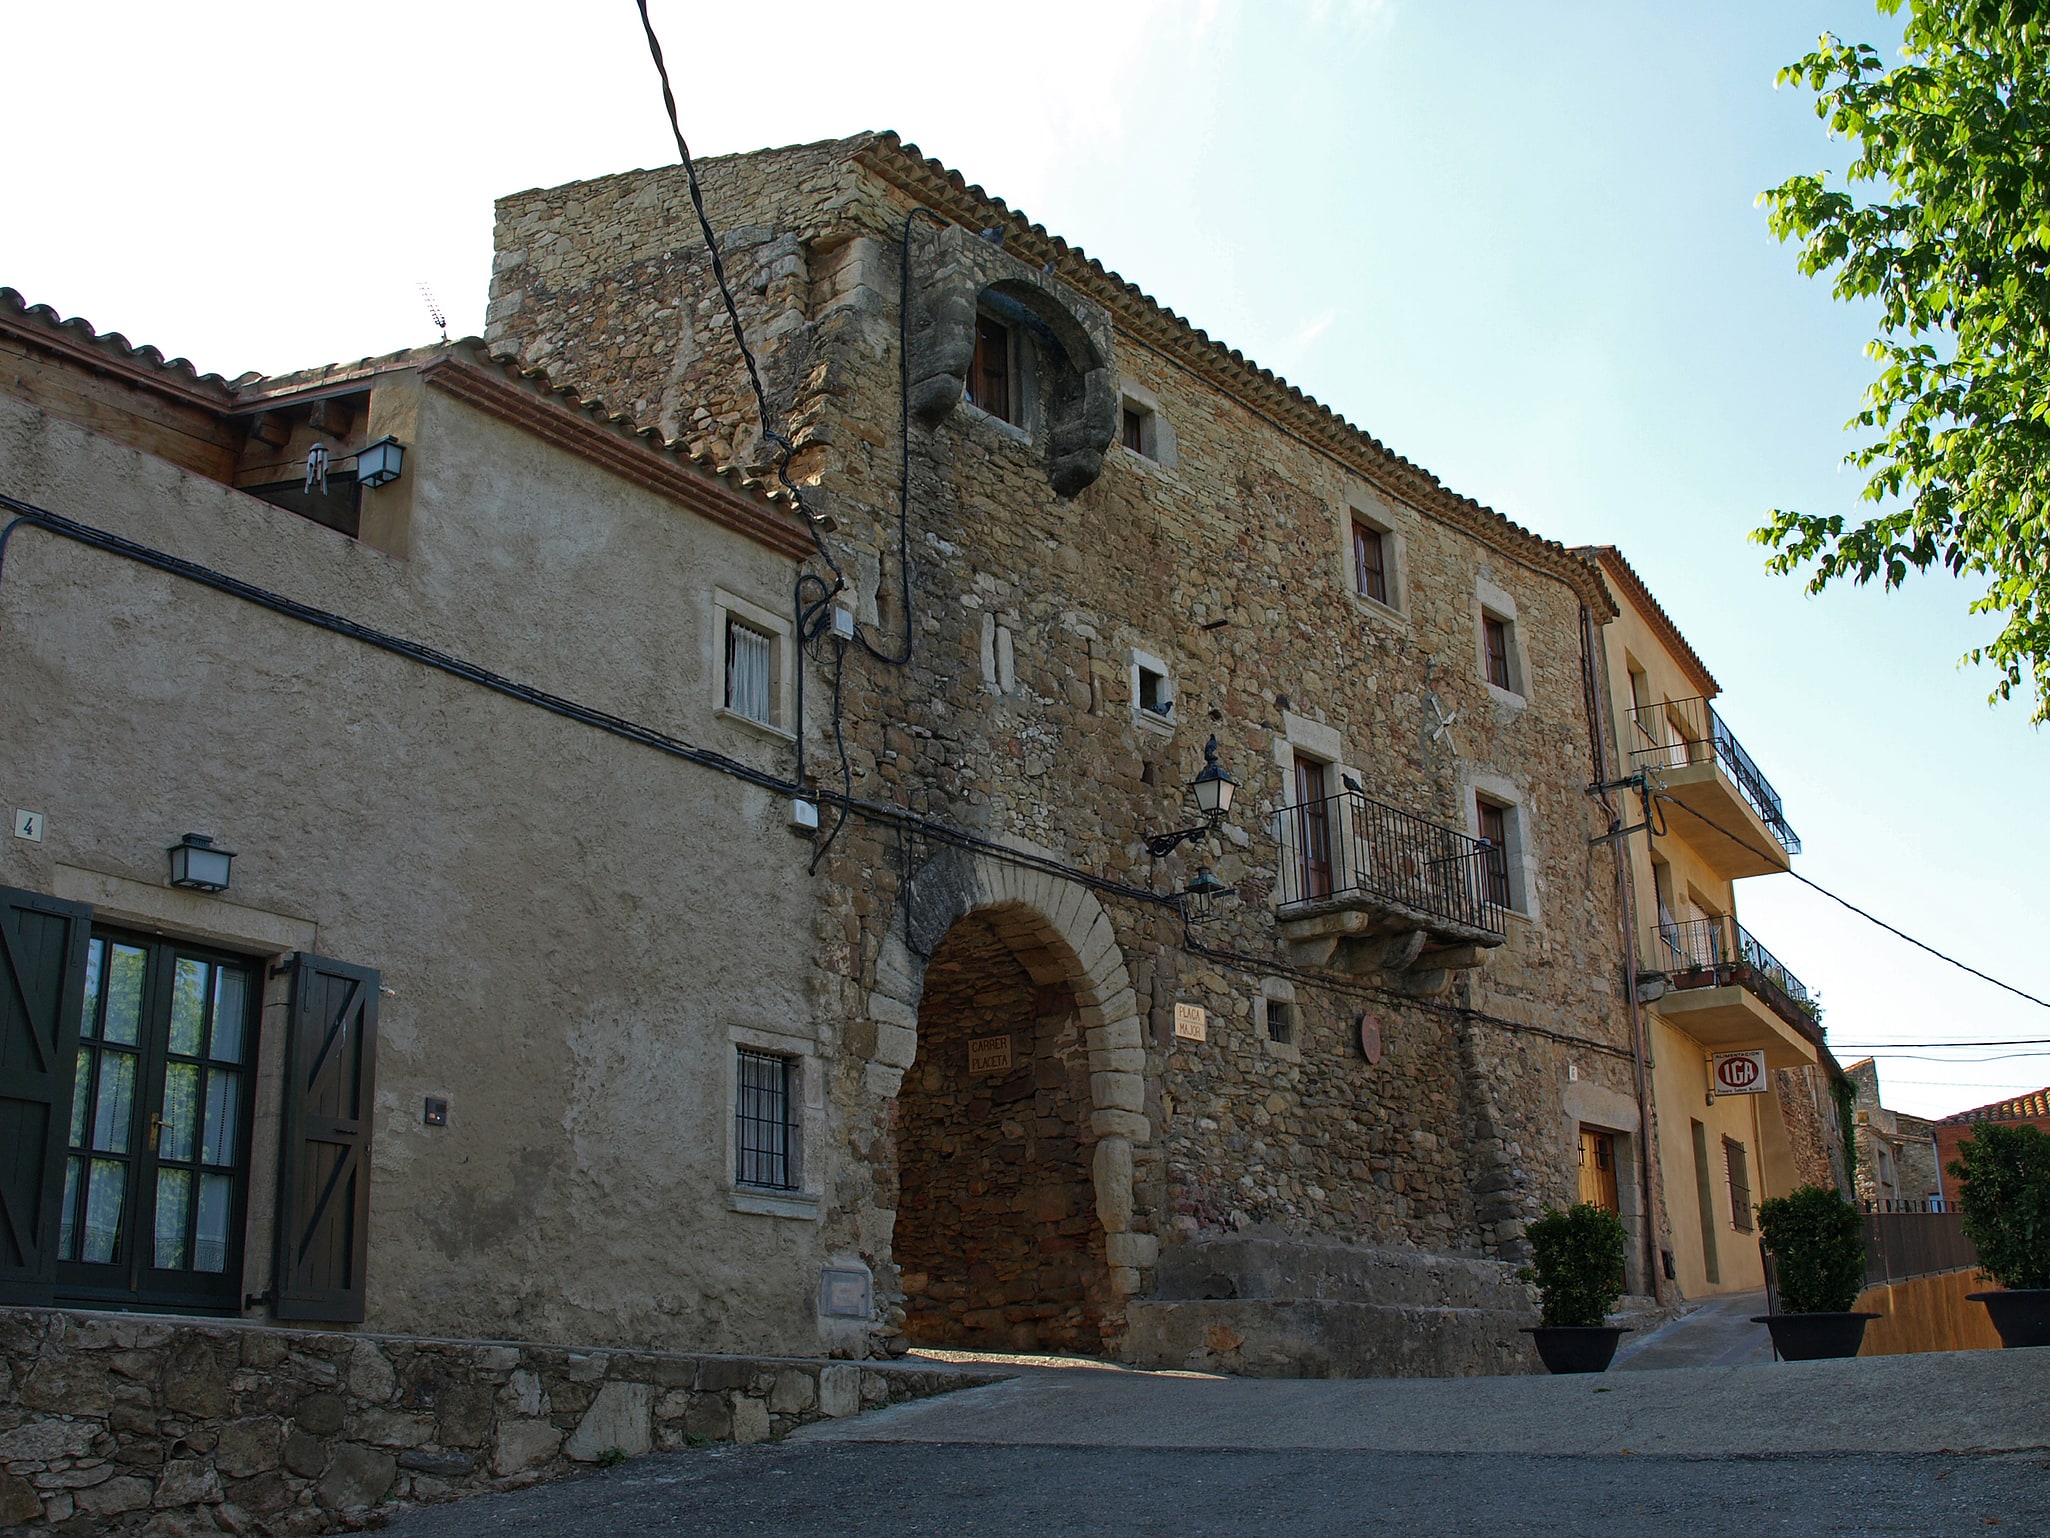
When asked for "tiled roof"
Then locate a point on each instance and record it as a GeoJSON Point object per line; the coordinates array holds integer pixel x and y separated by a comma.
{"type": "Point", "coordinates": [2020, 1108]}
{"type": "Point", "coordinates": [1624, 575]}
{"type": "Point", "coordinates": [83, 344]}
{"type": "Point", "coordinates": [951, 195]}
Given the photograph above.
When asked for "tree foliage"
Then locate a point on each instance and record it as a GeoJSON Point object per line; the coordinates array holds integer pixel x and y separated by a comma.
{"type": "Point", "coordinates": [1818, 1250]}
{"type": "Point", "coordinates": [2005, 1197]}
{"type": "Point", "coordinates": [1953, 246]}
{"type": "Point", "coordinates": [1576, 1259]}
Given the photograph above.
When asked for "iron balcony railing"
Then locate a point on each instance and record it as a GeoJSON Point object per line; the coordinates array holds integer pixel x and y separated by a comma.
{"type": "Point", "coordinates": [1351, 847]}
{"type": "Point", "coordinates": [1732, 953]}
{"type": "Point", "coordinates": [1682, 732]}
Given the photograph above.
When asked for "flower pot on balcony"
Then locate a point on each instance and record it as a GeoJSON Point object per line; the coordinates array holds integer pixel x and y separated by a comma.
{"type": "Point", "coordinates": [1815, 1337]}
{"type": "Point", "coordinates": [2020, 1314]}
{"type": "Point", "coordinates": [1575, 1347]}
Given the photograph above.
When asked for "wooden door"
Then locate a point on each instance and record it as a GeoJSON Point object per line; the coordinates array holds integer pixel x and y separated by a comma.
{"type": "Point", "coordinates": [1598, 1169]}
{"type": "Point", "coordinates": [1313, 826]}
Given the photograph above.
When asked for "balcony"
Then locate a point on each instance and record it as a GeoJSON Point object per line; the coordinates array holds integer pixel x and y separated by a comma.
{"type": "Point", "coordinates": [1367, 886]}
{"type": "Point", "coordinates": [1701, 765]}
{"type": "Point", "coordinates": [1730, 993]}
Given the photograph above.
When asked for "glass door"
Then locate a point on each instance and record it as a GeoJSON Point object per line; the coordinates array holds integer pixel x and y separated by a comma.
{"type": "Point", "coordinates": [156, 1182]}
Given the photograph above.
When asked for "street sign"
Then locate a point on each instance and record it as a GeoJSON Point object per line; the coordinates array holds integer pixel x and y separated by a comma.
{"type": "Point", "coordinates": [1191, 1022]}
{"type": "Point", "coordinates": [1738, 1073]}
{"type": "Point", "coordinates": [989, 1054]}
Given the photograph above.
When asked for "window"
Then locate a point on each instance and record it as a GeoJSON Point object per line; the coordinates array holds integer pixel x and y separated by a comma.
{"type": "Point", "coordinates": [1493, 821]}
{"type": "Point", "coordinates": [1312, 830]}
{"type": "Point", "coordinates": [750, 671]}
{"type": "Point", "coordinates": [989, 373]}
{"type": "Point", "coordinates": [766, 1121]}
{"type": "Point", "coordinates": [1280, 1021]}
{"type": "Point", "coordinates": [1153, 693]}
{"type": "Point", "coordinates": [1370, 561]}
{"type": "Point", "coordinates": [1739, 1167]}
{"type": "Point", "coordinates": [155, 1173]}
{"type": "Point", "coordinates": [1132, 428]}
{"type": "Point", "coordinates": [1495, 632]}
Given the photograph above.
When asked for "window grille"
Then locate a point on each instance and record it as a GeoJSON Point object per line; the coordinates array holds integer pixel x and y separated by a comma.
{"type": "Point", "coordinates": [1739, 1166]}
{"type": "Point", "coordinates": [748, 656]}
{"type": "Point", "coordinates": [1280, 1021]}
{"type": "Point", "coordinates": [766, 1126]}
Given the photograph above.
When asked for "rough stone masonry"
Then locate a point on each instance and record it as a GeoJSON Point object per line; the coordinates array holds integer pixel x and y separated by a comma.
{"type": "Point", "coordinates": [1048, 568]}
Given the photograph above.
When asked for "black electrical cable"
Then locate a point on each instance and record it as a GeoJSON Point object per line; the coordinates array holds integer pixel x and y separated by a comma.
{"type": "Point", "coordinates": [618, 726]}
{"type": "Point", "coordinates": [1899, 934]}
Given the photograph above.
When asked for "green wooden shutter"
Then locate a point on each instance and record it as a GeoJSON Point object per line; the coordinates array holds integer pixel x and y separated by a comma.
{"type": "Point", "coordinates": [42, 986]}
{"type": "Point", "coordinates": [323, 1236]}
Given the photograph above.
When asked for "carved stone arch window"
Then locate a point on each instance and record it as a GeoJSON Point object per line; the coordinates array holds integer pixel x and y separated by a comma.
{"type": "Point", "coordinates": [990, 331]}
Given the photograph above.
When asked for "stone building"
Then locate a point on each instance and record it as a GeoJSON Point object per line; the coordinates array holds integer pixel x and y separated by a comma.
{"type": "Point", "coordinates": [1897, 1164]}
{"type": "Point", "coordinates": [1076, 1100]}
{"type": "Point", "coordinates": [1742, 1082]}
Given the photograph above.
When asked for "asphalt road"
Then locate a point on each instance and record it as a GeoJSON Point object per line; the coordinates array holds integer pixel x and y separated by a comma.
{"type": "Point", "coordinates": [1930, 1445]}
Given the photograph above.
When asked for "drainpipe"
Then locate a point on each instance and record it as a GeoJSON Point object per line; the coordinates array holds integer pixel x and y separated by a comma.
{"type": "Point", "coordinates": [1626, 890]}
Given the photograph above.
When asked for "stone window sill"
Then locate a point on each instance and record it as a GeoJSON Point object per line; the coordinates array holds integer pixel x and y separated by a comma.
{"type": "Point", "coordinates": [750, 724]}
{"type": "Point", "coordinates": [1373, 608]}
{"type": "Point", "coordinates": [1153, 721]}
{"type": "Point", "coordinates": [774, 1204]}
{"type": "Point", "coordinates": [974, 413]}
{"type": "Point", "coordinates": [1509, 697]}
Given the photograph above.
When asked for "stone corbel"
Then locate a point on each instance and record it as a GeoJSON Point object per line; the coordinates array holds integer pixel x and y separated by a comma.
{"type": "Point", "coordinates": [951, 271]}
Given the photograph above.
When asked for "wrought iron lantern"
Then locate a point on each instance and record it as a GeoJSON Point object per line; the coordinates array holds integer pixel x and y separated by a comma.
{"type": "Point", "coordinates": [378, 464]}
{"type": "Point", "coordinates": [197, 866]}
{"type": "Point", "coordinates": [1213, 788]}
{"type": "Point", "coordinates": [1201, 895]}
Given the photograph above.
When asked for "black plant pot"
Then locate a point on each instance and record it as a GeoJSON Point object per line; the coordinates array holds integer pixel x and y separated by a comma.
{"type": "Point", "coordinates": [1575, 1347]}
{"type": "Point", "coordinates": [2021, 1314]}
{"type": "Point", "coordinates": [1813, 1337]}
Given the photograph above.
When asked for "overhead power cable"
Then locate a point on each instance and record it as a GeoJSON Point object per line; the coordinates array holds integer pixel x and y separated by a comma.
{"type": "Point", "coordinates": [1901, 934]}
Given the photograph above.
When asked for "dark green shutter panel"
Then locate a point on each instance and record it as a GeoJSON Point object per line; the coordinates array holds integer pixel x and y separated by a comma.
{"type": "Point", "coordinates": [42, 986]}
{"type": "Point", "coordinates": [324, 1169]}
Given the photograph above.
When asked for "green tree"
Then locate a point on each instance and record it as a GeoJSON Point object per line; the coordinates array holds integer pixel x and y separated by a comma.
{"type": "Point", "coordinates": [2004, 1192]}
{"type": "Point", "coordinates": [1953, 246]}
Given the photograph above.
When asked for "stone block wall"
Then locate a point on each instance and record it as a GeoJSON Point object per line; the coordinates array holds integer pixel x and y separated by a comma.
{"type": "Point", "coordinates": [115, 1423]}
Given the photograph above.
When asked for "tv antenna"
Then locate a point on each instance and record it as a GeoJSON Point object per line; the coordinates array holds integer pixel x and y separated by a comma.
{"type": "Point", "coordinates": [434, 310]}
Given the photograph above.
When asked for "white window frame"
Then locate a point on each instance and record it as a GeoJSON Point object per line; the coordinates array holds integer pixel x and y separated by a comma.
{"type": "Point", "coordinates": [729, 608]}
{"type": "Point", "coordinates": [1523, 885]}
{"type": "Point", "coordinates": [808, 1105]}
{"type": "Point", "coordinates": [1491, 602]}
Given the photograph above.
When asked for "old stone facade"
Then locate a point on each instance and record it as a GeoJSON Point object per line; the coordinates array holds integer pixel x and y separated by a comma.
{"type": "Point", "coordinates": [1139, 542]}
{"type": "Point", "coordinates": [1897, 1153]}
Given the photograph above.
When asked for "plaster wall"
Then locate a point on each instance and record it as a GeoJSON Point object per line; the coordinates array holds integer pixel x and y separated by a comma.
{"type": "Point", "coordinates": [1680, 1094]}
{"type": "Point", "coordinates": [570, 927]}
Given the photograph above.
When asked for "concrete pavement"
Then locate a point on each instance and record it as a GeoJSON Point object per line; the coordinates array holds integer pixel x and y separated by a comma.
{"type": "Point", "coordinates": [1718, 1333]}
{"type": "Point", "coordinates": [1942, 1445]}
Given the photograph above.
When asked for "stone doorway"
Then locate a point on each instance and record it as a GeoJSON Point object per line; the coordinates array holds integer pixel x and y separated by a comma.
{"type": "Point", "coordinates": [998, 1240]}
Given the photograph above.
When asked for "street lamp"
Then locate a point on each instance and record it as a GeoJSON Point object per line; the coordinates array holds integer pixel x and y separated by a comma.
{"type": "Point", "coordinates": [377, 464]}
{"type": "Point", "coordinates": [1213, 788]}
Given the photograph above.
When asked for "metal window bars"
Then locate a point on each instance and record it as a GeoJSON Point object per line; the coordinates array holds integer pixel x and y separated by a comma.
{"type": "Point", "coordinates": [1681, 732]}
{"type": "Point", "coordinates": [1730, 951]}
{"type": "Point", "coordinates": [767, 1133]}
{"type": "Point", "coordinates": [1348, 846]}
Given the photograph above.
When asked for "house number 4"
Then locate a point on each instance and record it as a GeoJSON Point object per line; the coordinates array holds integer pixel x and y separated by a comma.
{"type": "Point", "coordinates": [28, 825]}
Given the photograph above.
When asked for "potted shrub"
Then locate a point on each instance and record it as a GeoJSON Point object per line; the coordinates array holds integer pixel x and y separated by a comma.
{"type": "Point", "coordinates": [2005, 1196]}
{"type": "Point", "coordinates": [1577, 1263]}
{"type": "Point", "coordinates": [1818, 1251]}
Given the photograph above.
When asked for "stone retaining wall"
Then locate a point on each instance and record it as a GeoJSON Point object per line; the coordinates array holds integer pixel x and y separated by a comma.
{"type": "Point", "coordinates": [115, 1423]}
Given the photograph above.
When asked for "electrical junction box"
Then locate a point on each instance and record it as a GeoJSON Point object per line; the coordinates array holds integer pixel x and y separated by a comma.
{"type": "Point", "coordinates": [843, 623]}
{"type": "Point", "coordinates": [804, 817]}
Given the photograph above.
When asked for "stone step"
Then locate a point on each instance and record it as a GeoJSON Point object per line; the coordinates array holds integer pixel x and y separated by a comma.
{"type": "Point", "coordinates": [1273, 1269]}
{"type": "Point", "coordinates": [1324, 1338]}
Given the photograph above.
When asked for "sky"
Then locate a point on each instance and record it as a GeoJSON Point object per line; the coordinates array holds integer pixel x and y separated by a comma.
{"type": "Point", "coordinates": [1518, 243]}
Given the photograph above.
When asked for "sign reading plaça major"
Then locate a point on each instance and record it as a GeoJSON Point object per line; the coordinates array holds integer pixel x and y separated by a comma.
{"type": "Point", "coordinates": [1738, 1073]}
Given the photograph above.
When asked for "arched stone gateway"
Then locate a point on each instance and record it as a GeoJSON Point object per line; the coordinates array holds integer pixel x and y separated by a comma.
{"type": "Point", "coordinates": [1004, 998]}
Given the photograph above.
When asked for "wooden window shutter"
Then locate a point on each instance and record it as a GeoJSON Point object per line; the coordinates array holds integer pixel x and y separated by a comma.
{"type": "Point", "coordinates": [323, 1236]}
{"type": "Point", "coordinates": [42, 987]}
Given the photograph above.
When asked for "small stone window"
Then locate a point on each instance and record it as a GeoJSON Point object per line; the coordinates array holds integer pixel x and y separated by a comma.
{"type": "Point", "coordinates": [1136, 430]}
{"type": "Point", "coordinates": [1280, 1021]}
{"type": "Point", "coordinates": [991, 378]}
{"type": "Point", "coordinates": [749, 663]}
{"type": "Point", "coordinates": [1153, 696]}
{"type": "Point", "coordinates": [1495, 633]}
{"type": "Point", "coordinates": [1369, 560]}
{"type": "Point", "coordinates": [765, 1120]}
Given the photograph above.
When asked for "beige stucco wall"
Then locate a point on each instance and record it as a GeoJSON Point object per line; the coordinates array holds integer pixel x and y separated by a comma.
{"type": "Point", "coordinates": [571, 928]}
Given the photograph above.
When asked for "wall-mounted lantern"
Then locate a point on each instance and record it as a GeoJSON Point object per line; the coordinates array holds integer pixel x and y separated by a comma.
{"type": "Point", "coordinates": [378, 464]}
{"type": "Point", "coordinates": [1213, 788]}
{"type": "Point", "coordinates": [197, 866]}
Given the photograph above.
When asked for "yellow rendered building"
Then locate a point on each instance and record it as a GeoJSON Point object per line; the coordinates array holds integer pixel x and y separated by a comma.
{"type": "Point", "coordinates": [1705, 986]}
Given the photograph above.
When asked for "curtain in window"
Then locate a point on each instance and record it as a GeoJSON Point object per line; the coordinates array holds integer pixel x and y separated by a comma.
{"type": "Point", "coordinates": [747, 671]}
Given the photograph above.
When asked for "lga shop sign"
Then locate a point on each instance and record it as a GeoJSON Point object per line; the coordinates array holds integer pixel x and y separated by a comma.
{"type": "Point", "coordinates": [1738, 1073]}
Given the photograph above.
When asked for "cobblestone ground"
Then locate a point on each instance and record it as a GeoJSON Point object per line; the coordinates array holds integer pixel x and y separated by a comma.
{"type": "Point", "coordinates": [836, 1490]}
